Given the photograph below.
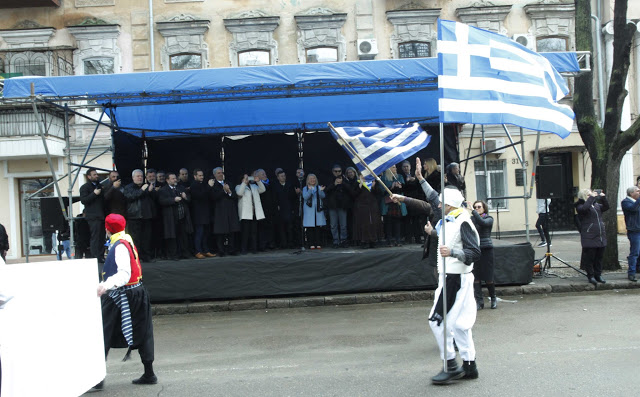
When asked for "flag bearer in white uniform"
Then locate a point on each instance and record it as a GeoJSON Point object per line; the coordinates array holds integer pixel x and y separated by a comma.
{"type": "Point", "coordinates": [461, 247]}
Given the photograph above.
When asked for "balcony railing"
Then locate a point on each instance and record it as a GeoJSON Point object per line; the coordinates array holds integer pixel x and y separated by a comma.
{"type": "Point", "coordinates": [21, 122]}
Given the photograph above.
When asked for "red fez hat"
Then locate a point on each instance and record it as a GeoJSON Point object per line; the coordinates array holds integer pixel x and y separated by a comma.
{"type": "Point", "coordinates": [114, 223]}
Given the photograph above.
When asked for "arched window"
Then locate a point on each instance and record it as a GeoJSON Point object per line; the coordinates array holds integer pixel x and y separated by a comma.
{"type": "Point", "coordinates": [254, 58]}
{"type": "Point", "coordinates": [98, 66]}
{"type": "Point", "coordinates": [414, 49]}
{"type": "Point", "coordinates": [552, 44]}
{"type": "Point", "coordinates": [322, 54]}
{"type": "Point", "coordinates": [29, 64]}
{"type": "Point", "coordinates": [185, 61]}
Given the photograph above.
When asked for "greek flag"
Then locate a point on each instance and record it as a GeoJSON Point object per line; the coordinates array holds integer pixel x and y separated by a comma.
{"type": "Point", "coordinates": [487, 78]}
{"type": "Point", "coordinates": [380, 146]}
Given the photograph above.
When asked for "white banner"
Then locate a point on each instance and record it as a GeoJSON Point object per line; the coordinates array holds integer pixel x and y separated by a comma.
{"type": "Point", "coordinates": [51, 340]}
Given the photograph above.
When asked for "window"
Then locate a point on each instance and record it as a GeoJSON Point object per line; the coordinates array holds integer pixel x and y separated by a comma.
{"type": "Point", "coordinates": [254, 58]}
{"type": "Point", "coordinates": [322, 55]}
{"type": "Point", "coordinates": [186, 61]}
{"type": "Point", "coordinates": [497, 182]}
{"type": "Point", "coordinates": [40, 240]}
{"type": "Point", "coordinates": [29, 64]}
{"type": "Point", "coordinates": [415, 49]}
{"type": "Point", "coordinates": [551, 44]}
{"type": "Point", "coordinates": [99, 66]}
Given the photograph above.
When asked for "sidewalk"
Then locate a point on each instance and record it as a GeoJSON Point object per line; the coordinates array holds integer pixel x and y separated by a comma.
{"type": "Point", "coordinates": [560, 279]}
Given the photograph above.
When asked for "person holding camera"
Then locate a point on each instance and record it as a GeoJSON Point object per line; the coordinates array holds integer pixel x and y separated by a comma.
{"type": "Point", "coordinates": [92, 197]}
{"type": "Point", "coordinates": [593, 238]}
{"type": "Point", "coordinates": [631, 209]}
{"type": "Point", "coordinates": [250, 210]}
{"type": "Point", "coordinates": [313, 212]}
{"type": "Point", "coordinates": [338, 201]}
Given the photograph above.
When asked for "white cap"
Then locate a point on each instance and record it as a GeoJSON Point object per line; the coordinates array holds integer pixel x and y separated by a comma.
{"type": "Point", "coordinates": [452, 197]}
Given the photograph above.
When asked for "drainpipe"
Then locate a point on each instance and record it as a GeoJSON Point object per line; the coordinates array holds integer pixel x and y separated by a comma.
{"type": "Point", "coordinates": [152, 52]}
{"type": "Point", "coordinates": [601, 103]}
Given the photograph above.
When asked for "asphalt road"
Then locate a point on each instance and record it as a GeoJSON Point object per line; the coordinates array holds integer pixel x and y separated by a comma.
{"type": "Point", "coordinates": [559, 345]}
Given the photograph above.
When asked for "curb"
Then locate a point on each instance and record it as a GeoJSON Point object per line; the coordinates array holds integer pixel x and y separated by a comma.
{"type": "Point", "coordinates": [372, 297]}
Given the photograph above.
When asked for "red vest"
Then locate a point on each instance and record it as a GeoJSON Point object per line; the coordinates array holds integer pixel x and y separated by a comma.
{"type": "Point", "coordinates": [136, 269]}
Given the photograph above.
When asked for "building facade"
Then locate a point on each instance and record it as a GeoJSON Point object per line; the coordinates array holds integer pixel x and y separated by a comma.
{"type": "Point", "coordinates": [77, 37]}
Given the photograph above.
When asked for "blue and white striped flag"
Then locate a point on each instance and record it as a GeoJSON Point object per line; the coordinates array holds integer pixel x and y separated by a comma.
{"type": "Point", "coordinates": [381, 146]}
{"type": "Point", "coordinates": [487, 78]}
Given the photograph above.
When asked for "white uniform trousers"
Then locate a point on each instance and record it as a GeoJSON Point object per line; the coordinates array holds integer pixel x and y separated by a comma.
{"type": "Point", "coordinates": [460, 320]}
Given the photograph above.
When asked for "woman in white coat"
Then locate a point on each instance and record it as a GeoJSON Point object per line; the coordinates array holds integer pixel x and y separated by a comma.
{"type": "Point", "coordinates": [313, 212]}
{"type": "Point", "coordinates": [250, 210]}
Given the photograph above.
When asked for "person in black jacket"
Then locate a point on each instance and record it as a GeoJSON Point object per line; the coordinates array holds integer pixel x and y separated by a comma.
{"type": "Point", "coordinates": [225, 213]}
{"type": "Point", "coordinates": [338, 201]}
{"type": "Point", "coordinates": [114, 200]}
{"type": "Point", "coordinates": [286, 200]}
{"type": "Point", "coordinates": [483, 267]}
{"type": "Point", "coordinates": [140, 198]}
{"type": "Point", "coordinates": [174, 201]}
{"type": "Point", "coordinates": [267, 228]}
{"type": "Point", "coordinates": [200, 206]}
{"type": "Point", "coordinates": [413, 222]}
{"type": "Point", "coordinates": [92, 197]}
{"type": "Point", "coordinates": [81, 237]}
{"type": "Point", "coordinates": [593, 238]}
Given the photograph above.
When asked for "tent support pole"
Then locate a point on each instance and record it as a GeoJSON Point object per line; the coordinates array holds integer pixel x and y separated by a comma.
{"type": "Point", "coordinates": [484, 160]}
{"type": "Point", "coordinates": [524, 185]}
{"type": "Point", "coordinates": [473, 130]}
{"type": "Point", "coordinates": [86, 152]}
{"type": "Point", "coordinates": [443, 276]}
{"type": "Point", "coordinates": [535, 164]}
{"type": "Point", "coordinates": [26, 230]}
{"type": "Point", "coordinates": [113, 143]}
{"type": "Point", "coordinates": [43, 132]}
{"type": "Point", "coordinates": [72, 241]}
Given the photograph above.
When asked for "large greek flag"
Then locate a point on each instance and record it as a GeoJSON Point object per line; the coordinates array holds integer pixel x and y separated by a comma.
{"type": "Point", "coordinates": [381, 146]}
{"type": "Point", "coordinates": [487, 78]}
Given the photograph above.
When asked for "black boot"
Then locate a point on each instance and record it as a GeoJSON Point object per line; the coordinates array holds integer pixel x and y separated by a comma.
{"type": "Point", "coordinates": [453, 372]}
{"type": "Point", "coordinates": [492, 293]}
{"type": "Point", "coordinates": [600, 279]}
{"type": "Point", "coordinates": [470, 370]}
{"type": "Point", "coordinates": [97, 387]}
{"type": "Point", "coordinates": [477, 293]}
{"type": "Point", "coordinates": [148, 378]}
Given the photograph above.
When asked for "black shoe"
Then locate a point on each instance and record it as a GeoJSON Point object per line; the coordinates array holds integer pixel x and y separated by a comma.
{"type": "Point", "coordinates": [632, 278]}
{"type": "Point", "coordinates": [145, 380]}
{"type": "Point", "coordinates": [97, 387]}
{"type": "Point", "coordinates": [600, 279]}
{"type": "Point", "coordinates": [453, 372]}
{"type": "Point", "coordinates": [494, 302]}
{"type": "Point", "coordinates": [479, 305]}
{"type": "Point", "coordinates": [593, 281]}
{"type": "Point", "coordinates": [336, 246]}
{"type": "Point", "coordinates": [470, 370]}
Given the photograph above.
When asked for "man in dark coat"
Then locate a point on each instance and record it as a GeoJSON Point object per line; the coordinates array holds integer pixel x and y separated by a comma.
{"type": "Point", "coordinates": [286, 199]}
{"type": "Point", "coordinates": [92, 197]}
{"type": "Point", "coordinates": [414, 222]}
{"type": "Point", "coordinates": [158, 250]}
{"type": "Point", "coordinates": [338, 201]}
{"type": "Point", "coordinates": [225, 212]}
{"type": "Point", "coordinates": [114, 200]}
{"type": "Point", "coordinates": [200, 211]}
{"type": "Point", "coordinates": [140, 211]}
{"type": "Point", "coordinates": [267, 228]}
{"type": "Point", "coordinates": [176, 218]}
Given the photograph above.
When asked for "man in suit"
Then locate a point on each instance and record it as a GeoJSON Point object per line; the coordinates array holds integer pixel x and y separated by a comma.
{"type": "Point", "coordinates": [140, 198]}
{"type": "Point", "coordinates": [225, 213]}
{"type": "Point", "coordinates": [157, 248]}
{"type": "Point", "coordinates": [286, 201]}
{"type": "Point", "coordinates": [176, 218]}
{"type": "Point", "coordinates": [200, 192]}
{"type": "Point", "coordinates": [114, 200]}
{"type": "Point", "coordinates": [92, 197]}
{"type": "Point", "coordinates": [183, 179]}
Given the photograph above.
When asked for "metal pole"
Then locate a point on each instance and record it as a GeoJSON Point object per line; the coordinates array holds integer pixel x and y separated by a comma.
{"type": "Point", "coordinates": [27, 228]}
{"type": "Point", "coordinates": [601, 101]}
{"type": "Point", "coordinates": [86, 152]}
{"type": "Point", "coordinates": [41, 128]}
{"type": "Point", "coordinates": [113, 144]}
{"type": "Point", "coordinates": [524, 185]}
{"type": "Point", "coordinates": [473, 129]}
{"type": "Point", "coordinates": [444, 266]}
{"type": "Point", "coordinates": [484, 160]}
{"type": "Point", "coordinates": [72, 241]}
{"type": "Point", "coordinates": [535, 164]}
{"type": "Point", "coordinates": [152, 53]}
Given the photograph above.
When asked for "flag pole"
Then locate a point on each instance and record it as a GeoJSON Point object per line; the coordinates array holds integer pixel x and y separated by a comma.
{"type": "Point", "coordinates": [356, 155]}
{"type": "Point", "coordinates": [444, 266]}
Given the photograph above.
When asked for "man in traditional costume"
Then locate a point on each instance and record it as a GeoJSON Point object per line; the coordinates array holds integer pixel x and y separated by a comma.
{"type": "Point", "coordinates": [460, 245]}
{"type": "Point", "coordinates": [126, 308]}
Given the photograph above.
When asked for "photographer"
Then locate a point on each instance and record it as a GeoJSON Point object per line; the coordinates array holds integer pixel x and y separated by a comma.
{"type": "Point", "coordinates": [250, 210]}
{"type": "Point", "coordinates": [593, 238]}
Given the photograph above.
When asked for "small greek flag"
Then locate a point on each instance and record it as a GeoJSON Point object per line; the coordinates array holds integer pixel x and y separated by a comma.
{"type": "Point", "coordinates": [380, 146]}
{"type": "Point", "coordinates": [487, 78]}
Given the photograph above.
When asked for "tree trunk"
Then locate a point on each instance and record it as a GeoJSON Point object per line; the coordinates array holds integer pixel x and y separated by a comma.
{"type": "Point", "coordinates": [611, 172]}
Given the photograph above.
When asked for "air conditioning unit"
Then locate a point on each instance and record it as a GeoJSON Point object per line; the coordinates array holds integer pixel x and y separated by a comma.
{"type": "Point", "coordinates": [367, 47]}
{"type": "Point", "coordinates": [526, 40]}
{"type": "Point", "coordinates": [494, 143]}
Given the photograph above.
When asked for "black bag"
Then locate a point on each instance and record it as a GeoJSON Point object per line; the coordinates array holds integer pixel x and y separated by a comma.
{"type": "Point", "coordinates": [320, 207]}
